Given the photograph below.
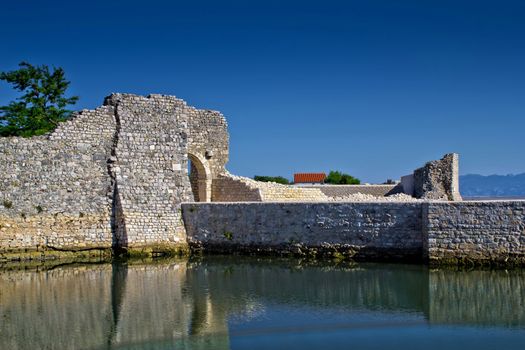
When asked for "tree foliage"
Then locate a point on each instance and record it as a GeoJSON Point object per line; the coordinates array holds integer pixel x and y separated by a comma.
{"type": "Point", "coordinates": [42, 104]}
{"type": "Point", "coordinates": [278, 179]}
{"type": "Point", "coordinates": [339, 178]}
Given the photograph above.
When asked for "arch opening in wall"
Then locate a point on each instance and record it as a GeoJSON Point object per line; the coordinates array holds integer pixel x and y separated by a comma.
{"type": "Point", "coordinates": [200, 178]}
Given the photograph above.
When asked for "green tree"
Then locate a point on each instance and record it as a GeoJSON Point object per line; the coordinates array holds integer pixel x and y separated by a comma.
{"type": "Point", "coordinates": [339, 178]}
{"type": "Point", "coordinates": [42, 104]}
{"type": "Point", "coordinates": [278, 179]}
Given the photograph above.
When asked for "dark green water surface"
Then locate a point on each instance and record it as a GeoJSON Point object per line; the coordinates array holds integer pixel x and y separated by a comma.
{"type": "Point", "coordinates": [250, 303]}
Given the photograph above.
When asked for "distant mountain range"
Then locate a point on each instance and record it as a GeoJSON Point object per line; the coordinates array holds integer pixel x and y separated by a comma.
{"type": "Point", "coordinates": [492, 185]}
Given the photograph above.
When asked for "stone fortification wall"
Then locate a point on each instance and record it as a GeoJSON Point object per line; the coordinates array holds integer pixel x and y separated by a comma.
{"type": "Point", "coordinates": [438, 232]}
{"type": "Point", "coordinates": [475, 231]}
{"type": "Point", "coordinates": [208, 139]}
{"type": "Point", "coordinates": [438, 179]}
{"type": "Point", "coordinates": [208, 144]}
{"type": "Point", "coordinates": [340, 191]}
{"type": "Point", "coordinates": [358, 230]}
{"type": "Point", "coordinates": [55, 190]}
{"type": "Point", "coordinates": [110, 177]}
{"type": "Point", "coordinates": [150, 169]}
{"type": "Point", "coordinates": [231, 188]}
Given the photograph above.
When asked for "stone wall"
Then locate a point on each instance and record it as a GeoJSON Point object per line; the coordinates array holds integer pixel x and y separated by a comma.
{"type": "Point", "coordinates": [150, 169]}
{"type": "Point", "coordinates": [110, 177]}
{"type": "Point", "coordinates": [115, 177]}
{"type": "Point", "coordinates": [437, 232]}
{"type": "Point", "coordinates": [468, 232]}
{"type": "Point", "coordinates": [438, 179]}
{"type": "Point", "coordinates": [336, 191]}
{"type": "Point", "coordinates": [228, 188]}
{"type": "Point", "coordinates": [208, 144]}
{"type": "Point", "coordinates": [55, 190]}
{"type": "Point", "coordinates": [231, 188]}
{"type": "Point", "coordinates": [376, 231]}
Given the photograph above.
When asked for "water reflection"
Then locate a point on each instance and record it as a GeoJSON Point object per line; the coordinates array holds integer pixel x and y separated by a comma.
{"type": "Point", "coordinates": [228, 303]}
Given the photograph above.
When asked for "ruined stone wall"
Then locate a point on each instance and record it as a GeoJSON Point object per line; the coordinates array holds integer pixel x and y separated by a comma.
{"type": "Point", "coordinates": [150, 169]}
{"type": "Point", "coordinates": [438, 232]}
{"type": "Point", "coordinates": [208, 139]}
{"type": "Point", "coordinates": [207, 150]}
{"type": "Point", "coordinates": [228, 188]}
{"type": "Point", "coordinates": [337, 191]}
{"type": "Point", "coordinates": [475, 232]}
{"type": "Point", "coordinates": [438, 179]}
{"type": "Point", "coordinates": [360, 230]}
{"type": "Point", "coordinates": [231, 188]}
{"type": "Point", "coordinates": [114, 176]}
{"type": "Point", "coordinates": [55, 190]}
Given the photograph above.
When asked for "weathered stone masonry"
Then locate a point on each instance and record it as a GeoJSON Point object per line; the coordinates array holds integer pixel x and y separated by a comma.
{"type": "Point", "coordinates": [434, 232]}
{"type": "Point", "coordinates": [358, 230]}
{"type": "Point", "coordinates": [475, 231]}
{"type": "Point", "coordinates": [115, 177]}
{"type": "Point", "coordinates": [55, 190]}
{"type": "Point", "coordinates": [110, 177]}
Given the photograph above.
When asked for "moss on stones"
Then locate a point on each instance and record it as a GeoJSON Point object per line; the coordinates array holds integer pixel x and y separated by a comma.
{"type": "Point", "coordinates": [152, 251]}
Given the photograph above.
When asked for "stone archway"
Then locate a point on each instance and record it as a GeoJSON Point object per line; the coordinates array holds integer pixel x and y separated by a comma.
{"type": "Point", "coordinates": [200, 178]}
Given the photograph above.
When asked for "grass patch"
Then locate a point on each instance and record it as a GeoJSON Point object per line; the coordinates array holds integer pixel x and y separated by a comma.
{"type": "Point", "coordinates": [228, 235]}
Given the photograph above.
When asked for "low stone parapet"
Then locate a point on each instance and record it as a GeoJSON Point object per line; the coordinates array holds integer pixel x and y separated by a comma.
{"type": "Point", "coordinates": [476, 233]}
{"type": "Point", "coordinates": [482, 232]}
{"type": "Point", "coordinates": [371, 231]}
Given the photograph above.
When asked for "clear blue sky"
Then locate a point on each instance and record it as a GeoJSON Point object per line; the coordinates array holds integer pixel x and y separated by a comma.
{"type": "Point", "coordinates": [373, 88]}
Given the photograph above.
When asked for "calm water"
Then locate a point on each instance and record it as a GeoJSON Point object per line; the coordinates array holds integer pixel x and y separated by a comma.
{"type": "Point", "coordinates": [243, 303]}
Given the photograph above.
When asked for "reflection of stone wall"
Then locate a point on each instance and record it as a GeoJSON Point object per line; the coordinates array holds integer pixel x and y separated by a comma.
{"type": "Point", "coordinates": [490, 298]}
{"type": "Point", "coordinates": [287, 282]}
{"type": "Point", "coordinates": [67, 306]}
{"type": "Point", "coordinates": [184, 305]}
{"type": "Point", "coordinates": [96, 307]}
{"type": "Point", "coordinates": [180, 304]}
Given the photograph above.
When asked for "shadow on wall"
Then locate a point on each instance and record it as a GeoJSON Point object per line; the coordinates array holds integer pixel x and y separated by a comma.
{"type": "Point", "coordinates": [118, 223]}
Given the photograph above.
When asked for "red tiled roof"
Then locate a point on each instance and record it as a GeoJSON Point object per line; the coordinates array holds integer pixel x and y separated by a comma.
{"type": "Point", "coordinates": [308, 177]}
